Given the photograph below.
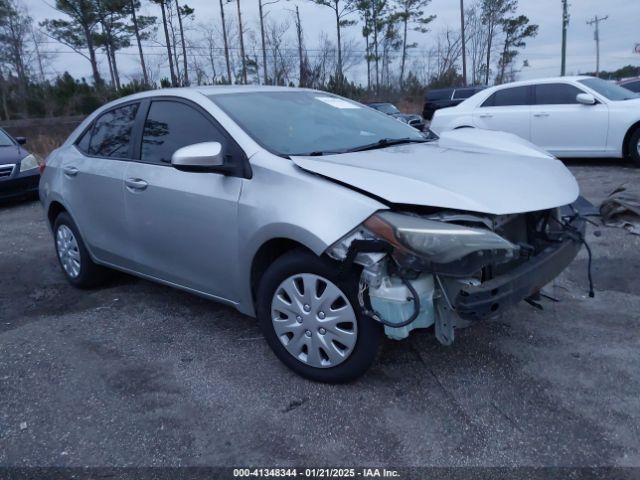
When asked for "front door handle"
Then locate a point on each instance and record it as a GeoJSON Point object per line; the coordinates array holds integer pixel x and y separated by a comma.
{"type": "Point", "coordinates": [70, 171]}
{"type": "Point", "coordinates": [541, 114]}
{"type": "Point", "coordinates": [135, 184]}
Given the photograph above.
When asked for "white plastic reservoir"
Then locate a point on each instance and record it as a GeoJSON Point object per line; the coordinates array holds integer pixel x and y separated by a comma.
{"type": "Point", "coordinates": [392, 303]}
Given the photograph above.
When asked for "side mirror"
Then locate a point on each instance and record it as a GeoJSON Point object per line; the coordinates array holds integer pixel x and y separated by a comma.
{"type": "Point", "coordinates": [200, 157]}
{"type": "Point", "coordinates": [21, 140]}
{"type": "Point", "coordinates": [586, 99]}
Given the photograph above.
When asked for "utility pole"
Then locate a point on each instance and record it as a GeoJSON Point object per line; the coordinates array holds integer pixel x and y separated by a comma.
{"type": "Point", "coordinates": [464, 44]}
{"type": "Point", "coordinates": [565, 25]}
{"type": "Point", "coordinates": [596, 21]}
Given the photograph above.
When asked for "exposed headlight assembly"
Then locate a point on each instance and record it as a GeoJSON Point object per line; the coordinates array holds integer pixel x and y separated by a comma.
{"type": "Point", "coordinates": [445, 247]}
{"type": "Point", "coordinates": [28, 163]}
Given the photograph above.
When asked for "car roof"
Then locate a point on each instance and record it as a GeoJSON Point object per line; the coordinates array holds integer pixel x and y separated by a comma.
{"type": "Point", "coordinates": [207, 90]}
{"type": "Point", "coordinates": [537, 81]}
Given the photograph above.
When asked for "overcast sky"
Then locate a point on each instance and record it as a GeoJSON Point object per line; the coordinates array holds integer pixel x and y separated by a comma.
{"type": "Point", "coordinates": [619, 34]}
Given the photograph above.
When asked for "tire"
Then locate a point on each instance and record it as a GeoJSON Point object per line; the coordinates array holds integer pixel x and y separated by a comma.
{"type": "Point", "coordinates": [339, 347]}
{"type": "Point", "coordinates": [73, 256]}
{"type": "Point", "coordinates": [634, 147]}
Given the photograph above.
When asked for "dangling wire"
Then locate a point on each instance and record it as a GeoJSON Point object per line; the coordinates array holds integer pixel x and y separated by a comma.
{"type": "Point", "coordinates": [577, 234]}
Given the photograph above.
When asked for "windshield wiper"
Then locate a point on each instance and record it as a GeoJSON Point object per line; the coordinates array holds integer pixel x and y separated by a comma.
{"type": "Point", "coordinates": [386, 142]}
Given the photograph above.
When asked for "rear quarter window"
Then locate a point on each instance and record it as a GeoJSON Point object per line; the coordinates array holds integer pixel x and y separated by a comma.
{"type": "Point", "coordinates": [508, 97]}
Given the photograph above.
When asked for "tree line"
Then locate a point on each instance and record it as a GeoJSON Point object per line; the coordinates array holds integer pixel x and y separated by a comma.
{"type": "Point", "coordinates": [393, 39]}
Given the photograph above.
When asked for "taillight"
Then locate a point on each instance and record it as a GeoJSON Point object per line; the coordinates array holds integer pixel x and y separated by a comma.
{"type": "Point", "coordinates": [41, 167]}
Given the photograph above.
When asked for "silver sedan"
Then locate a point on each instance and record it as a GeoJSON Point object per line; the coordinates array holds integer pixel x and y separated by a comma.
{"type": "Point", "coordinates": [332, 223]}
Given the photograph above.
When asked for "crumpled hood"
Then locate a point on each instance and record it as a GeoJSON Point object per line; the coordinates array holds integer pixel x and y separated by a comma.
{"type": "Point", "coordinates": [460, 171]}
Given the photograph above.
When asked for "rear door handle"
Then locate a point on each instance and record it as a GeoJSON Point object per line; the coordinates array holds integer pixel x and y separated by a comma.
{"type": "Point", "coordinates": [486, 115]}
{"type": "Point", "coordinates": [135, 184]}
{"type": "Point", "coordinates": [70, 171]}
{"type": "Point", "coordinates": [541, 114]}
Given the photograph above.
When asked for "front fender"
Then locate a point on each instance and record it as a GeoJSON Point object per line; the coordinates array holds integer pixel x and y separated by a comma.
{"type": "Point", "coordinates": [283, 201]}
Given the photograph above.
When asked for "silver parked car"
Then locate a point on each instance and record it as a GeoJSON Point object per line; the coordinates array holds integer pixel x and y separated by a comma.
{"type": "Point", "coordinates": [331, 223]}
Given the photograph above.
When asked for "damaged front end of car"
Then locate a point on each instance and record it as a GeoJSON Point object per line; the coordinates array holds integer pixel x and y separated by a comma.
{"type": "Point", "coordinates": [448, 268]}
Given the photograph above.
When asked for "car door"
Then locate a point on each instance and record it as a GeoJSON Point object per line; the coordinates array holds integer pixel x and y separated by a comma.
{"type": "Point", "coordinates": [563, 126]}
{"type": "Point", "coordinates": [93, 176]}
{"type": "Point", "coordinates": [507, 110]}
{"type": "Point", "coordinates": [183, 224]}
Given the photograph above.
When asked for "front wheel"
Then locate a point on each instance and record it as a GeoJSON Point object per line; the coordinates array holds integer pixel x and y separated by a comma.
{"type": "Point", "coordinates": [310, 318]}
{"type": "Point", "coordinates": [634, 147]}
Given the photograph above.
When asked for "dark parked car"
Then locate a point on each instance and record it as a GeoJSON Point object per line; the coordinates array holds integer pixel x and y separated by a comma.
{"type": "Point", "coordinates": [19, 173]}
{"type": "Point", "coordinates": [390, 109]}
{"type": "Point", "coordinates": [446, 97]}
{"type": "Point", "coordinates": [632, 84]}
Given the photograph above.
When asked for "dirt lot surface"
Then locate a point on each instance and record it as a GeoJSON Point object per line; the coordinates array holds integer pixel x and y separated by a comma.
{"type": "Point", "coordinates": [138, 374]}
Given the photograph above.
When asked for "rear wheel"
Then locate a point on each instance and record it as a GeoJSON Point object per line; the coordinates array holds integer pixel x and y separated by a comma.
{"type": "Point", "coordinates": [73, 256]}
{"type": "Point", "coordinates": [312, 321]}
{"type": "Point", "coordinates": [634, 147]}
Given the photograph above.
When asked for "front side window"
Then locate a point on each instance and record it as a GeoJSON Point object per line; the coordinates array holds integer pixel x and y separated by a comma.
{"type": "Point", "coordinates": [556, 94]}
{"type": "Point", "coordinates": [306, 122]}
{"type": "Point", "coordinates": [508, 97]}
{"type": "Point", "coordinates": [111, 136]}
{"type": "Point", "coordinates": [172, 125]}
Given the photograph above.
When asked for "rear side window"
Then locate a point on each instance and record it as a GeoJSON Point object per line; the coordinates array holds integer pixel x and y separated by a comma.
{"type": "Point", "coordinates": [556, 94]}
{"type": "Point", "coordinates": [111, 135]}
{"type": "Point", "coordinates": [439, 94]}
{"type": "Point", "coordinates": [508, 97]}
{"type": "Point", "coordinates": [172, 125]}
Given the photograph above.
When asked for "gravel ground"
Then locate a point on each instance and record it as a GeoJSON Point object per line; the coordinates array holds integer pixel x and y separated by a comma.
{"type": "Point", "coordinates": [138, 374]}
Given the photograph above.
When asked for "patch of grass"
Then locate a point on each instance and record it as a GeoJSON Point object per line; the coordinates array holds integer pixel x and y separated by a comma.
{"type": "Point", "coordinates": [42, 145]}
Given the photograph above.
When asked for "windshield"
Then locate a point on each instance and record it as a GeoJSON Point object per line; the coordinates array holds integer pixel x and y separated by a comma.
{"type": "Point", "coordinates": [387, 108]}
{"type": "Point", "coordinates": [306, 122]}
{"type": "Point", "coordinates": [5, 140]}
{"type": "Point", "coordinates": [607, 89]}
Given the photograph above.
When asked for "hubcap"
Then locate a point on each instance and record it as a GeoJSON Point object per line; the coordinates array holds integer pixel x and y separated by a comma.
{"type": "Point", "coordinates": [314, 320]}
{"type": "Point", "coordinates": [638, 146]}
{"type": "Point", "coordinates": [68, 252]}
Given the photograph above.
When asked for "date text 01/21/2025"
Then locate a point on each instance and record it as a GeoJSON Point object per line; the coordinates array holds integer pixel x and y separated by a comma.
{"type": "Point", "coordinates": [315, 472]}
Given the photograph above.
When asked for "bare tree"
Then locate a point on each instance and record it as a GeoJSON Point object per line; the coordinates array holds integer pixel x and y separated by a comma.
{"type": "Point", "coordinates": [476, 36]}
{"type": "Point", "coordinates": [276, 42]}
{"type": "Point", "coordinates": [15, 28]}
{"type": "Point", "coordinates": [226, 42]}
{"type": "Point", "coordinates": [183, 11]}
{"type": "Point", "coordinates": [263, 14]}
{"type": "Point", "coordinates": [445, 56]}
{"type": "Point", "coordinates": [243, 56]}
{"type": "Point", "coordinates": [493, 11]}
{"type": "Point", "coordinates": [341, 9]}
{"type": "Point", "coordinates": [165, 26]}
